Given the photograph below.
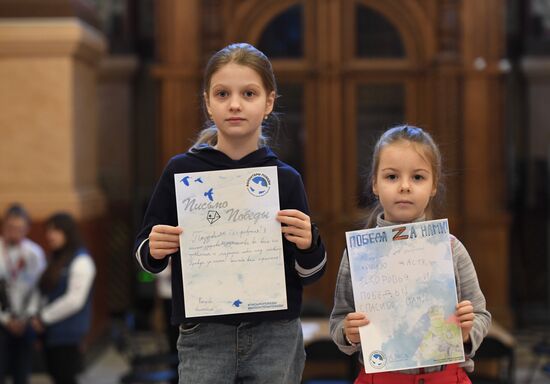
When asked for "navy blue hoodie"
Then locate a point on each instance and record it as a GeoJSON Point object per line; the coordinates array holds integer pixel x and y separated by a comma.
{"type": "Point", "coordinates": [301, 267]}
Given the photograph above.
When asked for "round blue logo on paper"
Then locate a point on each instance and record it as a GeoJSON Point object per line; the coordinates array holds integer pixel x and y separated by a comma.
{"type": "Point", "coordinates": [377, 359]}
{"type": "Point", "coordinates": [258, 184]}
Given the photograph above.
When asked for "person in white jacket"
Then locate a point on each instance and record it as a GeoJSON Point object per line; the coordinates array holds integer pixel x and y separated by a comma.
{"type": "Point", "coordinates": [21, 264]}
{"type": "Point", "coordinates": [66, 286]}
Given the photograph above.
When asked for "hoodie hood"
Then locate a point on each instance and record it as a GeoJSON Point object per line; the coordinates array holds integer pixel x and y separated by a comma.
{"type": "Point", "coordinates": [261, 157]}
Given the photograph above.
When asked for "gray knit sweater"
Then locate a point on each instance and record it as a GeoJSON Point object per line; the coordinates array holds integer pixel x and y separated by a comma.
{"type": "Point", "coordinates": [467, 287]}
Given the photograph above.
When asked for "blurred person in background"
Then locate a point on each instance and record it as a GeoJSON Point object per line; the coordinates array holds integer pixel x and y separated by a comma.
{"type": "Point", "coordinates": [66, 286]}
{"type": "Point", "coordinates": [21, 264]}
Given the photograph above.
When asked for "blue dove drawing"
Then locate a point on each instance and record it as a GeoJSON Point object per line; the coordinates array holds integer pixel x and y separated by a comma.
{"type": "Point", "coordinates": [237, 303]}
{"type": "Point", "coordinates": [185, 181]}
{"type": "Point", "coordinates": [210, 194]}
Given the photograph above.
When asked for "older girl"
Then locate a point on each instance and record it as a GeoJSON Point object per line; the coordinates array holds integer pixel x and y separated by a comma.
{"type": "Point", "coordinates": [262, 347]}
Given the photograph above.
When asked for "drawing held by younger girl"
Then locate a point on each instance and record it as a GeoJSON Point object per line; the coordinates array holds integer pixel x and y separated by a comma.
{"type": "Point", "coordinates": [406, 181]}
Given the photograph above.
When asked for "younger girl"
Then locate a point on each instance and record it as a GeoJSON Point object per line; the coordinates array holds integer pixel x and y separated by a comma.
{"type": "Point", "coordinates": [261, 347]}
{"type": "Point", "coordinates": [405, 178]}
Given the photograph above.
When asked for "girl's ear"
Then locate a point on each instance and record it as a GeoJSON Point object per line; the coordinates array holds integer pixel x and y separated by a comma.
{"type": "Point", "coordinates": [374, 188]}
{"type": "Point", "coordinates": [434, 191]}
{"type": "Point", "coordinates": [270, 102]}
{"type": "Point", "coordinates": [207, 103]}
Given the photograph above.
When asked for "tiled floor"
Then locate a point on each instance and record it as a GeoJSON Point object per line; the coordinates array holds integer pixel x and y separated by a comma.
{"type": "Point", "coordinates": [106, 369]}
{"type": "Point", "coordinates": [110, 365]}
{"type": "Point", "coordinates": [524, 356]}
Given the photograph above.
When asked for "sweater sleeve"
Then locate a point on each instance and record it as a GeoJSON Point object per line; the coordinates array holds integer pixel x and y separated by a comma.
{"type": "Point", "coordinates": [343, 304]}
{"type": "Point", "coordinates": [161, 210]}
{"type": "Point", "coordinates": [310, 263]}
{"type": "Point", "coordinates": [468, 289]}
{"type": "Point", "coordinates": [81, 276]}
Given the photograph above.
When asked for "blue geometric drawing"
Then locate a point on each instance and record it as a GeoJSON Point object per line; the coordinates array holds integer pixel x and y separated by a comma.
{"type": "Point", "coordinates": [198, 180]}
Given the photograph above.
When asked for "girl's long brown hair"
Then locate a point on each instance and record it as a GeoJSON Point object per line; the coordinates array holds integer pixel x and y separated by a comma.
{"type": "Point", "coordinates": [60, 258]}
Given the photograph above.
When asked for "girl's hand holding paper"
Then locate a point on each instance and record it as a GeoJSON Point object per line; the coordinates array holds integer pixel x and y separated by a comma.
{"type": "Point", "coordinates": [164, 240]}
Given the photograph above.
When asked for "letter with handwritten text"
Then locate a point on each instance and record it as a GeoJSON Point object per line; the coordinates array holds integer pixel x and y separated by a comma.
{"type": "Point", "coordinates": [403, 279]}
{"type": "Point", "coordinates": [231, 246]}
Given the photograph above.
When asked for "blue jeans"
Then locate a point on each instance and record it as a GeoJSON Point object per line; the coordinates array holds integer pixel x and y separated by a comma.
{"type": "Point", "coordinates": [268, 352]}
